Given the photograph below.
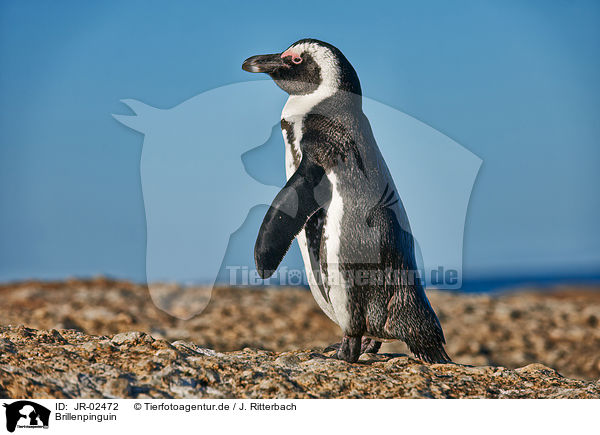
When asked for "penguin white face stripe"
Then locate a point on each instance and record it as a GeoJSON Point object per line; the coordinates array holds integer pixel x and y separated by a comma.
{"type": "Point", "coordinates": [330, 69]}
{"type": "Point", "coordinates": [298, 105]}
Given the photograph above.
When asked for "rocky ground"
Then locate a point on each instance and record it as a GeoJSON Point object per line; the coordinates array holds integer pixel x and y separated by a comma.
{"type": "Point", "coordinates": [70, 364]}
{"type": "Point", "coordinates": [269, 343]}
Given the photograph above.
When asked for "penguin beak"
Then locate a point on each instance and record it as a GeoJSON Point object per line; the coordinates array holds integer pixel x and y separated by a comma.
{"type": "Point", "coordinates": [263, 63]}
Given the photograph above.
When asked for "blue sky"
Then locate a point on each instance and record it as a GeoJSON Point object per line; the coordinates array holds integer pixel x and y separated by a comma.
{"type": "Point", "coordinates": [516, 83]}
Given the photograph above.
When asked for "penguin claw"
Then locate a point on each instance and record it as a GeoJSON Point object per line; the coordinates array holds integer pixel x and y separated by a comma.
{"type": "Point", "coordinates": [369, 345]}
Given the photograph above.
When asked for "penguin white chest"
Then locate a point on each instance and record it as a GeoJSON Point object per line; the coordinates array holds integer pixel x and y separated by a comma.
{"type": "Point", "coordinates": [291, 128]}
{"type": "Point", "coordinates": [333, 278]}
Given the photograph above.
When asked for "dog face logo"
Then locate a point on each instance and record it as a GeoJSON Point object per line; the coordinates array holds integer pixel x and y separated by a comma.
{"type": "Point", "coordinates": [207, 183]}
{"type": "Point", "coordinates": [26, 414]}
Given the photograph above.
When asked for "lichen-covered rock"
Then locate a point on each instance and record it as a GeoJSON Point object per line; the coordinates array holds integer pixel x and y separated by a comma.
{"type": "Point", "coordinates": [71, 364]}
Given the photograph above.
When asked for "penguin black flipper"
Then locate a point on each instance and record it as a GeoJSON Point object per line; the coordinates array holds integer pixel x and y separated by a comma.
{"type": "Point", "coordinates": [307, 191]}
{"type": "Point", "coordinates": [410, 316]}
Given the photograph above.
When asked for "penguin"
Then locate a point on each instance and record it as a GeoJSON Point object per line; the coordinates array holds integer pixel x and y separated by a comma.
{"type": "Point", "coordinates": [341, 204]}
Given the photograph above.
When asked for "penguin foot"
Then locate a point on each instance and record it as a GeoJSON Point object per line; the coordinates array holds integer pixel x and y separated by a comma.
{"type": "Point", "coordinates": [369, 345]}
{"type": "Point", "coordinates": [349, 350]}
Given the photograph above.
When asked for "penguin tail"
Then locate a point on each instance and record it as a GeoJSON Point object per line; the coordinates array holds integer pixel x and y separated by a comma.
{"type": "Point", "coordinates": [434, 354]}
{"type": "Point", "coordinates": [415, 323]}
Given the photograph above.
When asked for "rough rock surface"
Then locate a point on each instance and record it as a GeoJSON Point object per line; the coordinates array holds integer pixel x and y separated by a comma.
{"type": "Point", "coordinates": [70, 364]}
{"type": "Point", "coordinates": [559, 329]}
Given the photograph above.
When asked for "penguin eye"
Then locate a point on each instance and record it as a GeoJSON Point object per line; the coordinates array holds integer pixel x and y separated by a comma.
{"type": "Point", "coordinates": [297, 60]}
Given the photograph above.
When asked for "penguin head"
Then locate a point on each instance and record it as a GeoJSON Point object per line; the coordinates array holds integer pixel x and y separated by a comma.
{"type": "Point", "coordinates": [306, 66]}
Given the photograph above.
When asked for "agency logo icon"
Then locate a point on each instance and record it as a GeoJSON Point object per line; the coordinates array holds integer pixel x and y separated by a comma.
{"type": "Point", "coordinates": [25, 414]}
